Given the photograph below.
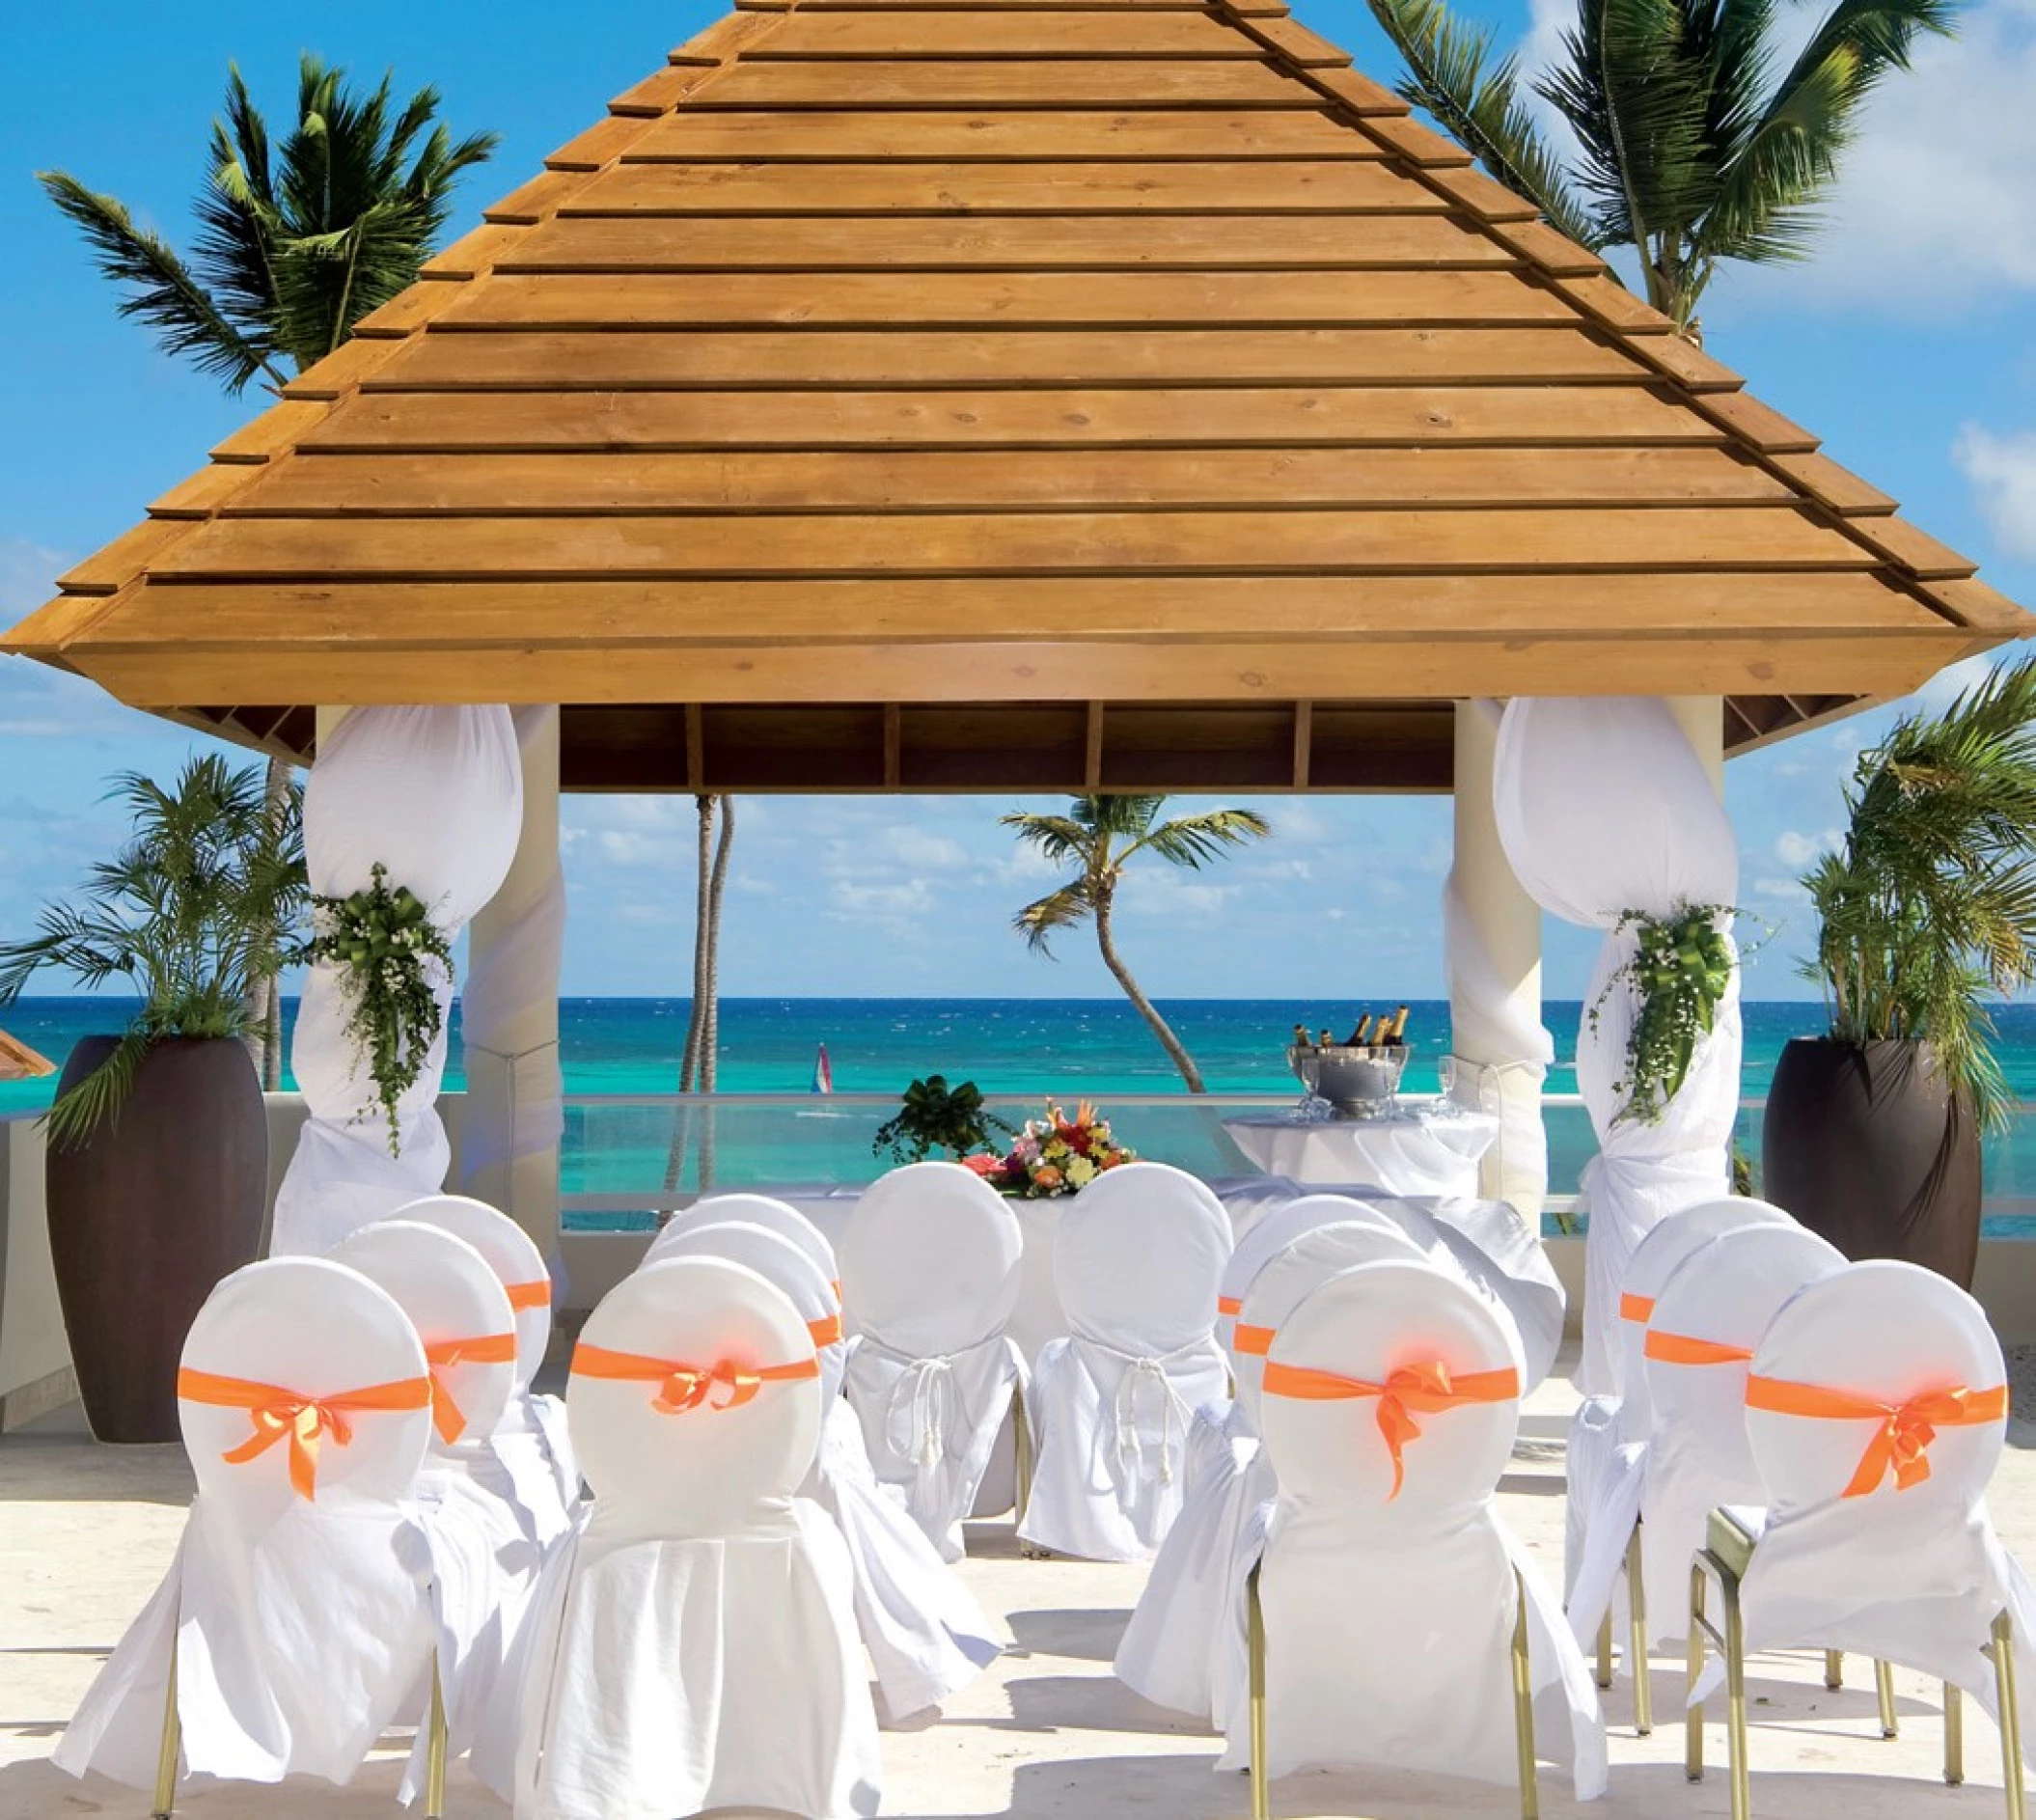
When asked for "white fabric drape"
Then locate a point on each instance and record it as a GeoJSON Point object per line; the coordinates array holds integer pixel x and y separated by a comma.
{"type": "Point", "coordinates": [1604, 808]}
{"type": "Point", "coordinates": [435, 796]}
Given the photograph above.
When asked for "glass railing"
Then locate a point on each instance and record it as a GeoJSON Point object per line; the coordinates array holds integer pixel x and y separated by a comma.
{"type": "Point", "coordinates": [626, 1156]}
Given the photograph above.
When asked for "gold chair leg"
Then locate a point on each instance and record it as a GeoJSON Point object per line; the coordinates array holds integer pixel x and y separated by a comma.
{"type": "Point", "coordinates": [1883, 1686]}
{"type": "Point", "coordinates": [1834, 1668]}
{"type": "Point", "coordinates": [1021, 1454]}
{"type": "Point", "coordinates": [1254, 1622]}
{"type": "Point", "coordinates": [1637, 1607]}
{"type": "Point", "coordinates": [1954, 1735]}
{"type": "Point", "coordinates": [2010, 1715]}
{"type": "Point", "coordinates": [1604, 1650]}
{"type": "Point", "coordinates": [171, 1746]}
{"type": "Point", "coordinates": [1736, 1698]}
{"type": "Point", "coordinates": [435, 1752]}
{"type": "Point", "coordinates": [1522, 1707]}
{"type": "Point", "coordinates": [1693, 1712]}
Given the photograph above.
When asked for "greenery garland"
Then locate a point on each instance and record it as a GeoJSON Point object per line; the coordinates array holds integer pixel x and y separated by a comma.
{"type": "Point", "coordinates": [932, 1116]}
{"type": "Point", "coordinates": [1679, 973]}
{"type": "Point", "coordinates": [391, 955]}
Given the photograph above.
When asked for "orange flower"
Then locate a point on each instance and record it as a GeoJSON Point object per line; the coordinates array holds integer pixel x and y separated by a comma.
{"type": "Point", "coordinates": [1046, 1176]}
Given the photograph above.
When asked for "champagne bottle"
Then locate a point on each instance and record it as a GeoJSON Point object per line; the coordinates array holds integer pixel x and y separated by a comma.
{"type": "Point", "coordinates": [1399, 1026]}
{"type": "Point", "coordinates": [1302, 1039]}
{"type": "Point", "coordinates": [1360, 1035]}
{"type": "Point", "coordinates": [1329, 1040]}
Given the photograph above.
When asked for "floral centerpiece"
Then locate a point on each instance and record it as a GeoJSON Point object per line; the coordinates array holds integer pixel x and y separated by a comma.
{"type": "Point", "coordinates": [1053, 1155]}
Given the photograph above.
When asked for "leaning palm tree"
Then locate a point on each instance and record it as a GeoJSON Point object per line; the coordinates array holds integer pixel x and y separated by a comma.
{"type": "Point", "coordinates": [1099, 836]}
{"type": "Point", "coordinates": [296, 243]}
{"type": "Point", "coordinates": [1698, 139]}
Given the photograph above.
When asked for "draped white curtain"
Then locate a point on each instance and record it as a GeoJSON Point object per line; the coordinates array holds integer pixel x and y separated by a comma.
{"type": "Point", "coordinates": [435, 796]}
{"type": "Point", "coordinates": [1604, 807]}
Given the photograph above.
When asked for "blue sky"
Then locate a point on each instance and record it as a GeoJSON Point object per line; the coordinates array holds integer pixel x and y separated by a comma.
{"type": "Point", "coordinates": [1907, 345]}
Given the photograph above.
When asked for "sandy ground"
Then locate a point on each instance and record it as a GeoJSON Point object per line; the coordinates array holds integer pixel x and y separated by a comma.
{"type": "Point", "coordinates": [1048, 1734]}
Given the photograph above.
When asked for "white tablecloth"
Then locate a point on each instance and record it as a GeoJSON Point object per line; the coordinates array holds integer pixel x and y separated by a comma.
{"type": "Point", "coordinates": [1416, 1149]}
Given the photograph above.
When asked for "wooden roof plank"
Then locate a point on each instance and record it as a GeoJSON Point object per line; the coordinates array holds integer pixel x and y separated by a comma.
{"type": "Point", "coordinates": [206, 491]}
{"type": "Point", "coordinates": [1529, 416]}
{"type": "Point", "coordinates": [273, 433]}
{"type": "Point", "coordinates": [1043, 84]}
{"type": "Point", "coordinates": [803, 244]}
{"type": "Point", "coordinates": [889, 36]}
{"type": "Point", "coordinates": [1913, 548]}
{"type": "Point", "coordinates": [128, 556]}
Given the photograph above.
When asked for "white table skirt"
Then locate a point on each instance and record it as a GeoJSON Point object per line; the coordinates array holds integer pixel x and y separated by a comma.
{"type": "Point", "coordinates": [1413, 1151]}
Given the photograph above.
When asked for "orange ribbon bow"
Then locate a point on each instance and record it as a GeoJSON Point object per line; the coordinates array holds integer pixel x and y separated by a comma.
{"type": "Point", "coordinates": [306, 1421]}
{"type": "Point", "coordinates": [1229, 1304]}
{"type": "Point", "coordinates": [684, 1386]}
{"type": "Point", "coordinates": [535, 1294]}
{"type": "Point", "coordinates": [442, 1355]}
{"type": "Point", "coordinates": [1426, 1389]}
{"type": "Point", "coordinates": [1637, 1308]}
{"type": "Point", "coordinates": [1686, 1349]}
{"type": "Point", "coordinates": [1901, 1442]}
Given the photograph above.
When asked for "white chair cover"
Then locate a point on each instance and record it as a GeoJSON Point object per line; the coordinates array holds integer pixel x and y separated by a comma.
{"type": "Point", "coordinates": [1276, 1227]}
{"type": "Point", "coordinates": [1185, 1644]}
{"type": "Point", "coordinates": [484, 1564]}
{"type": "Point", "coordinates": [1389, 1616]}
{"type": "Point", "coordinates": [1139, 1262]}
{"type": "Point", "coordinates": [1608, 1437]}
{"type": "Point", "coordinates": [765, 1210]}
{"type": "Point", "coordinates": [533, 1461]}
{"type": "Point", "coordinates": [692, 1646]}
{"type": "Point", "coordinates": [302, 1624]}
{"type": "Point", "coordinates": [1913, 1575]}
{"type": "Point", "coordinates": [435, 795]}
{"type": "Point", "coordinates": [1706, 1322]}
{"type": "Point", "coordinates": [1038, 1319]}
{"type": "Point", "coordinates": [1604, 808]}
{"type": "Point", "coordinates": [930, 1264]}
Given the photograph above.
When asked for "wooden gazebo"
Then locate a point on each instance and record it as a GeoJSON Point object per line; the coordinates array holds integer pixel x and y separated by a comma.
{"type": "Point", "coordinates": [905, 394]}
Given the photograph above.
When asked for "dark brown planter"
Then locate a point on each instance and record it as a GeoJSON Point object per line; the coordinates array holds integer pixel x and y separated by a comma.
{"type": "Point", "coordinates": [1864, 1146]}
{"type": "Point", "coordinates": [147, 1214]}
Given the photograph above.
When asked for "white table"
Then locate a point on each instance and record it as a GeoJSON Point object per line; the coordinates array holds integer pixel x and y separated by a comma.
{"type": "Point", "coordinates": [1421, 1149]}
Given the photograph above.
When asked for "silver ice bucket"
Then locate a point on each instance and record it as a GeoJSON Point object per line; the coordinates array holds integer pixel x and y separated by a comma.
{"type": "Point", "coordinates": [1359, 1079]}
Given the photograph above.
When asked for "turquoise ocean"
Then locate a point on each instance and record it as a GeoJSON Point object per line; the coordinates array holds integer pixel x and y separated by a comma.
{"type": "Point", "coordinates": [1019, 1051]}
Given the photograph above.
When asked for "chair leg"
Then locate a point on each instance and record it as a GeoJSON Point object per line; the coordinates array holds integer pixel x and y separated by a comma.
{"type": "Point", "coordinates": [1834, 1667]}
{"type": "Point", "coordinates": [1605, 1649]}
{"type": "Point", "coordinates": [171, 1746]}
{"type": "Point", "coordinates": [1693, 1712]}
{"type": "Point", "coordinates": [1254, 1621]}
{"type": "Point", "coordinates": [1637, 1607]}
{"type": "Point", "coordinates": [1021, 1454]}
{"type": "Point", "coordinates": [1736, 1698]}
{"type": "Point", "coordinates": [1954, 1736]}
{"type": "Point", "coordinates": [435, 1752]}
{"type": "Point", "coordinates": [1883, 1686]}
{"type": "Point", "coordinates": [2010, 1714]}
{"type": "Point", "coordinates": [1524, 1707]}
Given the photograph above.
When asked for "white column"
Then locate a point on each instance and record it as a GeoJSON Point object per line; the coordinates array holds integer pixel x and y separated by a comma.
{"type": "Point", "coordinates": [509, 1010]}
{"type": "Point", "coordinates": [1703, 719]}
{"type": "Point", "coordinates": [1492, 946]}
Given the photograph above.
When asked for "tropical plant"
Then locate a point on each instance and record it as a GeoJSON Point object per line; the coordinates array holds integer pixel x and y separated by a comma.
{"type": "Point", "coordinates": [294, 244]}
{"type": "Point", "coordinates": [697, 1065]}
{"type": "Point", "coordinates": [185, 912]}
{"type": "Point", "coordinates": [1099, 836]}
{"type": "Point", "coordinates": [1929, 905]}
{"type": "Point", "coordinates": [1681, 968]}
{"type": "Point", "coordinates": [932, 1116]}
{"type": "Point", "coordinates": [1698, 138]}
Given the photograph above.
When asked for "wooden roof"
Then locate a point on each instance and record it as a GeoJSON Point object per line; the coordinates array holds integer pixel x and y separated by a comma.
{"type": "Point", "coordinates": [1088, 394]}
{"type": "Point", "coordinates": [19, 1063]}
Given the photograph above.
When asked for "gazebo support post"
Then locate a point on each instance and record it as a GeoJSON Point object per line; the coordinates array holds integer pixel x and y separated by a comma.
{"type": "Point", "coordinates": [509, 1153]}
{"type": "Point", "coordinates": [1494, 960]}
{"type": "Point", "coordinates": [1702, 717]}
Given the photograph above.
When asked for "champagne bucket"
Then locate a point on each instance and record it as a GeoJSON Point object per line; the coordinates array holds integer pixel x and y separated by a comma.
{"type": "Point", "coordinates": [1352, 1078]}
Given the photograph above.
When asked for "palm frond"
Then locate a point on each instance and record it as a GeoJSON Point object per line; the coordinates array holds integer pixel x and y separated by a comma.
{"type": "Point", "coordinates": [163, 291]}
{"type": "Point", "coordinates": [1481, 108]}
{"type": "Point", "coordinates": [98, 1097]}
{"type": "Point", "coordinates": [1062, 838]}
{"type": "Point", "coordinates": [1192, 841]}
{"type": "Point", "coordinates": [1044, 917]}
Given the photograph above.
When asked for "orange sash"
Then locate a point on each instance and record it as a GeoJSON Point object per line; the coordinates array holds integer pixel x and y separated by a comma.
{"type": "Point", "coordinates": [1901, 1442]}
{"type": "Point", "coordinates": [529, 1295]}
{"type": "Point", "coordinates": [684, 1386]}
{"type": "Point", "coordinates": [1687, 1349]}
{"type": "Point", "coordinates": [826, 1331]}
{"type": "Point", "coordinates": [442, 1355]}
{"type": "Point", "coordinates": [1257, 1340]}
{"type": "Point", "coordinates": [1426, 1389]}
{"type": "Point", "coordinates": [305, 1419]}
{"type": "Point", "coordinates": [1229, 1304]}
{"type": "Point", "coordinates": [1637, 1308]}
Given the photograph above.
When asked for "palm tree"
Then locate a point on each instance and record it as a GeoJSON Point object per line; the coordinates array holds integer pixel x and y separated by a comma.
{"type": "Point", "coordinates": [697, 1063]}
{"type": "Point", "coordinates": [294, 245]}
{"type": "Point", "coordinates": [1099, 836]}
{"type": "Point", "coordinates": [1698, 138]}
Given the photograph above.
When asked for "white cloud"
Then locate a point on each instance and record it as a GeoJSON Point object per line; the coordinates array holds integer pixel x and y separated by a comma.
{"type": "Point", "coordinates": [28, 572]}
{"type": "Point", "coordinates": [2002, 471]}
{"type": "Point", "coordinates": [909, 898]}
{"type": "Point", "coordinates": [921, 850]}
{"type": "Point", "coordinates": [631, 846]}
{"type": "Point", "coordinates": [1793, 847]}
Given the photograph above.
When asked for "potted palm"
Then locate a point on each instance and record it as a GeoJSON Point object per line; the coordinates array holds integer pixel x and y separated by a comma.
{"type": "Point", "coordinates": [1926, 911]}
{"type": "Point", "coordinates": [157, 1161]}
